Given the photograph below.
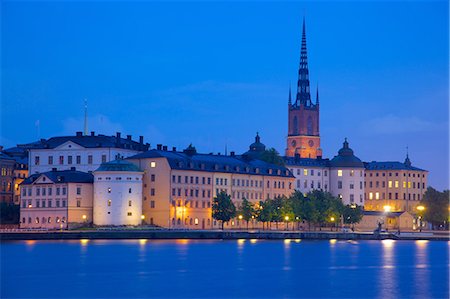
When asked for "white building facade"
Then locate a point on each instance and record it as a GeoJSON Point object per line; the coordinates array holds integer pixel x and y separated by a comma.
{"type": "Point", "coordinates": [118, 194]}
{"type": "Point", "coordinates": [84, 152]}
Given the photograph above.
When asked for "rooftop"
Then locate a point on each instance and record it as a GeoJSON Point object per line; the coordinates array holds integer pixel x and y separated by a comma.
{"type": "Point", "coordinates": [62, 176]}
{"type": "Point", "coordinates": [118, 165]}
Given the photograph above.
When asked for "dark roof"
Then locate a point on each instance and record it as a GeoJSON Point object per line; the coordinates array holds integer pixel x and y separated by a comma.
{"type": "Point", "coordinates": [4, 156]}
{"type": "Point", "coordinates": [255, 149]}
{"type": "Point", "coordinates": [346, 158]}
{"type": "Point", "coordinates": [62, 176]}
{"type": "Point", "coordinates": [389, 165]}
{"type": "Point", "coordinates": [91, 141]}
{"type": "Point", "coordinates": [215, 163]}
{"type": "Point", "coordinates": [118, 165]}
{"type": "Point", "coordinates": [382, 214]}
{"type": "Point", "coordinates": [297, 161]}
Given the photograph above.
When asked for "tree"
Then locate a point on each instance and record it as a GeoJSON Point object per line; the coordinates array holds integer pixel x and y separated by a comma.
{"type": "Point", "coordinates": [246, 210]}
{"type": "Point", "coordinates": [9, 213]}
{"type": "Point", "coordinates": [272, 156]}
{"type": "Point", "coordinates": [223, 208]}
{"type": "Point", "coordinates": [436, 205]}
{"type": "Point", "coordinates": [264, 211]}
{"type": "Point", "coordinates": [352, 214]}
{"type": "Point", "coordinates": [297, 199]}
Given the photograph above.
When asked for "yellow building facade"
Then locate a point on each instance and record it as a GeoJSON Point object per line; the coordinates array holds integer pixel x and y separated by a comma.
{"type": "Point", "coordinates": [179, 187]}
{"type": "Point", "coordinates": [394, 186]}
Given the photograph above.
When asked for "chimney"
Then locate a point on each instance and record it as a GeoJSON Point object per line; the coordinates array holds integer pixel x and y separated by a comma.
{"type": "Point", "coordinates": [141, 139]}
{"type": "Point", "coordinates": [54, 169]}
{"type": "Point", "coordinates": [232, 154]}
{"type": "Point", "coordinates": [73, 168]}
{"type": "Point", "coordinates": [165, 148]}
{"type": "Point", "coordinates": [319, 157]}
{"type": "Point", "coordinates": [92, 133]}
{"type": "Point", "coordinates": [297, 156]}
{"type": "Point", "coordinates": [129, 137]}
{"type": "Point", "coordinates": [159, 147]}
{"type": "Point", "coordinates": [118, 135]}
{"type": "Point", "coordinates": [174, 149]}
{"type": "Point", "coordinates": [79, 134]}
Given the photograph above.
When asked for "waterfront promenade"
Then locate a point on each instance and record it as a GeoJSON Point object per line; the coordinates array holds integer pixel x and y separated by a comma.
{"type": "Point", "coordinates": [115, 233]}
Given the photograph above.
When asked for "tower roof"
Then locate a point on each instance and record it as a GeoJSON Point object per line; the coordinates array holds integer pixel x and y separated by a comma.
{"type": "Point", "coordinates": [303, 91]}
{"type": "Point", "coordinates": [346, 158]}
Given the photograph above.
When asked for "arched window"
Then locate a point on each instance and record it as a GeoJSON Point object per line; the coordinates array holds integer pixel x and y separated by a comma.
{"type": "Point", "coordinates": [179, 221]}
{"type": "Point", "coordinates": [57, 220]}
{"type": "Point", "coordinates": [23, 220]}
{"type": "Point", "coordinates": [191, 221]}
{"type": "Point", "coordinates": [49, 220]}
{"type": "Point", "coordinates": [295, 125]}
{"type": "Point", "coordinates": [43, 219]}
{"type": "Point", "coordinates": [29, 219]}
{"type": "Point", "coordinates": [173, 221]}
{"type": "Point", "coordinates": [37, 220]}
{"type": "Point", "coordinates": [309, 126]}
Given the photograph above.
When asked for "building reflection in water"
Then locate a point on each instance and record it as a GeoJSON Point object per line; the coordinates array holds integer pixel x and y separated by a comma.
{"type": "Point", "coordinates": [421, 271]}
{"type": "Point", "coordinates": [387, 276]}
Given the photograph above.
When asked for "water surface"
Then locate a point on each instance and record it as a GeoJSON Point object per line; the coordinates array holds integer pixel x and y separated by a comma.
{"type": "Point", "coordinates": [224, 269]}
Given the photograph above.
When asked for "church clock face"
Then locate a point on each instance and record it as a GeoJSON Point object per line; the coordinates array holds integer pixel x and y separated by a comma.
{"type": "Point", "coordinates": [311, 143]}
{"type": "Point", "coordinates": [293, 143]}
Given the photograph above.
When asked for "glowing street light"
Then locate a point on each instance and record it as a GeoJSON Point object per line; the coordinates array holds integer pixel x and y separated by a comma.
{"type": "Point", "coordinates": [332, 219]}
{"type": "Point", "coordinates": [286, 218]}
{"type": "Point", "coordinates": [142, 217]}
{"type": "Point", "coordinates": [240, 217]}
{"type": "Point", "coordinates": [84, 217]}
{"type": "Point", "coordinates": [420, 208]}
{"type": "Point", "coordinates": [387, 208]}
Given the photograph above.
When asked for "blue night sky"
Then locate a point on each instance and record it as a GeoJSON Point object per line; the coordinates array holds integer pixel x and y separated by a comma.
{"type": "Point", "coordinates": [214, 73]}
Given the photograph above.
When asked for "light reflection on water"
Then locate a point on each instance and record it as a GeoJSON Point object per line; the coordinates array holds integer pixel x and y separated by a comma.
{"type": "Point", "coordinates": [197, 268]}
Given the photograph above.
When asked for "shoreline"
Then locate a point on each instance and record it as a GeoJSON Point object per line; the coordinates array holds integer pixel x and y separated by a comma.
{"type": "Point", "coordinates": [216, 234]}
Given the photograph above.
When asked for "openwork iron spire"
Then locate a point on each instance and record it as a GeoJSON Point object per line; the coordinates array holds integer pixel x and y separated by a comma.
{"type": "Point", "coordinates": [303, 93]}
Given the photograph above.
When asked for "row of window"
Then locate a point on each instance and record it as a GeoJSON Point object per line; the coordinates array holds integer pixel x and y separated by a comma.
{"type": "Point", "coordinates": [110, 203]}
{"type": "Point", "coordinates": [6, 186]}
{"type": "Point", "coordinates": [247, 195]}
{"type": "Point", "coordinates": [42, 203]}
{"type": "Point", "coordinates": [189, 179]}
{"type": "Point", "coordinates": [376, 195]}
{"type": "Point", "coordinates": [118, 178]}
{"type": "Point", "coordinates": [189, 192]}
{"type": "Point", "coordinates": [312, 185]}
{"type": "Point", "coordinates": [396, 174]}
{"type": "Point", "coordinates": [46, 191]}
{"type": "Point", "coordinates": [395, 184]}
{"type": "Point", "coordinates": [44, 220]}
{"type": "Point", "coordinates": [7, 171]}
{"type": "Point", "coordinates": [187, 204]}
{"type": "Point", "coordinates": [311, 172]}
{"type": "Point", "coordinates": [351, 185]}
{"type": "Point", "coordinates": [70, 160]}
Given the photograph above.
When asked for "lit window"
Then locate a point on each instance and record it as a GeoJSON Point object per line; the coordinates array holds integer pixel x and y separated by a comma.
{"type": "Point", "coordinates": [305, 172]}
{"type": "Point", "coordinates": [370, 195]}
{"type": "Point", "coordinates": [339, 172]}
{"type": "Point", "coordinates": [352, 172]}
{"type": "Point", "coordinates": [377, 195]}
{"type": "Point", "coordinates": [396, 184]}
{"type": "Point", "coordinates": [196, 221]}
{"type": "Point", "coordinates": [153, 164]}
{"type": "Point", "coordinates": [409, 184]}
{"type": "Point", "coordinates": [109, 202]}
{"type": "Point", "coordinates": [390, 184]}
{"type": "Point", "coordinates": [109, 190]}
{"type": "Point", "coordinates": [129, 203]}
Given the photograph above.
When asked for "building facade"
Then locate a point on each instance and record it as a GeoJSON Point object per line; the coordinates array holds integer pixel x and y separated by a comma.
{"type": "Point", "coordinates": [117, 194]}
{"type": "Point", "coordinates": [7, 166]}
{"type": "Point", "coordinates": [394, 186]}
{"type": "Point", "coordinates": [56, 200]}
{"type": "Point", "coordinates": [303, 115]}
{"type": "Point", "coordinates": [84, 152]}
{"type": "Point", "coordinates": [179, 187]}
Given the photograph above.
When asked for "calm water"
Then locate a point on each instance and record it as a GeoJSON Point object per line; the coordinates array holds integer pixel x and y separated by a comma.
{"type": "Point", "coordinates": [225, 269]}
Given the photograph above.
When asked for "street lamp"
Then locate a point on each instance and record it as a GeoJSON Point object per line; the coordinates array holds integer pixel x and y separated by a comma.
{"type": "Point", "coordinates": [420, 209]}
{"type": "Point", "coordinates": [332, 221]}
{"type": "Point", "coordinates": [387, 208]}
{"type": "Point", "coordinates": [240, 220]}
{"type": "Point", "coordinates": [286, 218]}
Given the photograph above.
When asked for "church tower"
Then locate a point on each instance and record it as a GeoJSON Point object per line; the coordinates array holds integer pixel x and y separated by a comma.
{"type": "Point", "coordinates": [303, 115]}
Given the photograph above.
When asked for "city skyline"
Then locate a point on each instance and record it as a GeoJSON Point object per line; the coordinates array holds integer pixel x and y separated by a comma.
{"type": "Point", "coordinates": [242, 61]}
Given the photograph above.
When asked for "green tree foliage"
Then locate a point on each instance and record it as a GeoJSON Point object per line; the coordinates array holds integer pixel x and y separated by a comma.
{"type": "Point", "coordinates": [352, 214]}
{"type": "Point", "coordinates": [272, 156]}
{"type": "Point", "coordinates": [223, 208]}
{"type": "Point", "coordinates": [9, 213]}
{"type": "Point", "coordinates": [247, 210]}
{"type": "Point", "coordinates": [436, 205]}
{"type": "Point", "coordinates": [264, 211]}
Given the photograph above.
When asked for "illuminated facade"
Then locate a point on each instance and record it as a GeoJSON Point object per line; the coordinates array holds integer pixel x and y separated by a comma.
{"type": "Point", "coordinates": [399, 186]}
{"type": "Point", "coordinates": [56, 200]}
{"type": "Point", "coordinates": [117, 194]}
{"type": "Point", "coordinates": [179, 187]}
{"type": "Point", "coordinates": [84, 152]}
{"type": "Point", "coordinates": [303, 115]}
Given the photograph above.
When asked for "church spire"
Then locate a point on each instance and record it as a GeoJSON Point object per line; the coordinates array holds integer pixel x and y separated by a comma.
{"type": "Point", "coordinates": [317, 95]}
{"type": "Point", "coordinates": [290, 96]}
{"type": "Point", "coordinates": [303, 93]}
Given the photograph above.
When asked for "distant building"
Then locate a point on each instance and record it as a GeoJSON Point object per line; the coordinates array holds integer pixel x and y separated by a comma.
{"type": "Point", "coordinates": [342, 176]}
{"type": "Point", "coordinates": [7, 165]}
{"type": "Point", "coordinates": [394, 186]}
{"type": "Point", "coordinates": [20, 172]}
{"type": "Point", "coordinates": [56, 199]}
{"type": "Point", "coordinates": [303, 115]}
{"type": "Point", "coordinates": [84, 152]}
{"type": "Point", "coordinates": [179, 187]}
{"type": "Point", "coordinates": [118, 194]}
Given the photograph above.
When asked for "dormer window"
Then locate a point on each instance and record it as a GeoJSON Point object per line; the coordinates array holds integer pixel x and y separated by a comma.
{"type": "Point", "coordinates": [247, 169]}
{"type": "Point", "coordinates": [216, 167]}
{"type": "Point", "coordinates": [227, 168]}
{"type": "Point", "coordinates": [238, 168]}
{"type": "Point", "coordinates": [256, 170]}
{"type": "Point", "coordinates": [270, 171]}
{"type": "Point", "coordinates": [191, 165]}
